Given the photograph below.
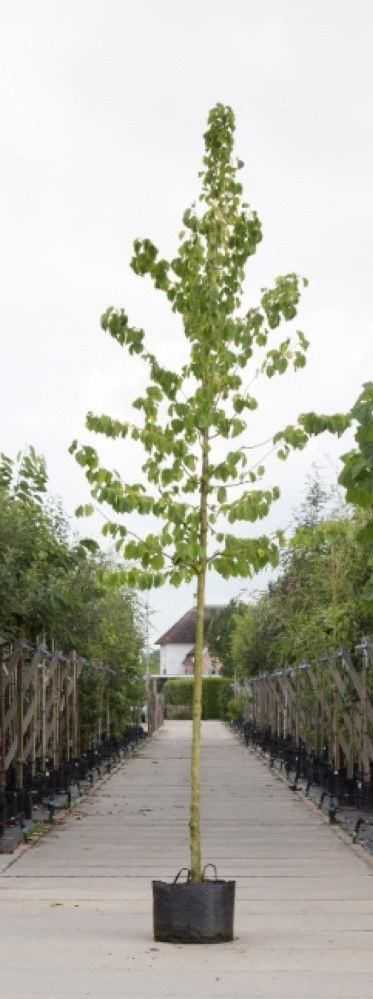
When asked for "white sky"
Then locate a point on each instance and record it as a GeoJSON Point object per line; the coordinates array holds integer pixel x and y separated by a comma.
{"type": "Point", "coordinates": [103, 109]}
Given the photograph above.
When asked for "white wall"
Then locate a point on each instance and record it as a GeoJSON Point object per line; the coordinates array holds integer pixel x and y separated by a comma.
{"type": "Point", "coordinates": [172, 657]}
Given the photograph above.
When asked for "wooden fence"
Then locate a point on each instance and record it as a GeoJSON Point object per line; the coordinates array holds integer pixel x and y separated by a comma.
{"type": "Point", "coordinates": [156, 710]}
{"type": "Point", "coordinates": [327, 705]}
{"type": "Point", "coordinates": [39, 717]}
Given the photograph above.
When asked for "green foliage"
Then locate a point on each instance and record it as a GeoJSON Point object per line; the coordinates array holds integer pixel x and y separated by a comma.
{"type": "Point", "coordinates": [179, 692]}
{"type": "Point", "coordinates": [221, 629]}
{"type": "Point", "coordinates": [183, 413]}
{"type": "Point", "coordinates": [179, 712]}
{"type": "Point", "coordinates": [116, 639]}
{"type": "Point", "coordinates": [237, 707]}
{"type": "Point", "coordinates": [187, 419]}
{"type": "Point", "coordinates": [44, 580]}
{"type": "Point", "coordinates": [234, 712]}
{"type": "Point", "coordinates": [26, 478]}
{"type": "Point", "coordinates": [309, 425]}
{"type": "Point", "coordinates": [51, 588]}
{"type": "Point", "coordinates": [153, 661]}
{"type": "Point", "coordinates": [357, 478]}
{"type": "Point", "coordinates": [313, 607]}
{"type": "Point", "coordinates": [215, 695]}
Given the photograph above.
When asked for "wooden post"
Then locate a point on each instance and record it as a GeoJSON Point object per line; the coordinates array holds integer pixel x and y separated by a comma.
{"type": "Point", "coordinates": [279, 709]}
{"type": "Point", "coordinates": [351, 755]}
{"type": "Point", "coordinates": [43, 733]}
{"type": "Point", "coordinates": [364, 718]}
{"type": "Point", "coordinates": [273, 705]}
{"type": "Point", "coordinates": [108, 708]}
{"type": "Point", "coordinates": [286, 708]}
{"type": "Point", "coordinates": [19, 765]}
{"type": "Point", "coordinates": [34, 695]}
{"type": "Point", "coordinates": [67, 718]}
{"type": "Point", "coordinates": [336, 725]}
{"type": "Point", "coordinates": [75, 733]}
{"type": "Point", "coordinates": [316, 737]}
{"type": "Point", "coordinates": [297, 711]}
{"type": "Point", "coordinates": [56, 714]}
{"type": "Point", "coordinates": [152, 688]}
{"type": "Point", "coordinates": [316, 708]}
{"type": "Point", "coordinates": [253, 702]}
{"type": "Point", "coordinates": [2, 722]}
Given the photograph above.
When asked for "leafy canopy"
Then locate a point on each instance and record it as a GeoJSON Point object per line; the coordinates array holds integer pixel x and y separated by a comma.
{"type": "Point", "coordinates": [357, 477]}
{"type": "Point", "coordinates": [186, 416]}
{"type": "Point", "coordinates": [313, 607]}
{"type": "Point", "coordinates": [50, 588]}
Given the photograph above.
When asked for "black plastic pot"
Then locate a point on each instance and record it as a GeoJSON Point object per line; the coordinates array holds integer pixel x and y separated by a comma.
{"type": "Point", "coordinates": [193, 913]}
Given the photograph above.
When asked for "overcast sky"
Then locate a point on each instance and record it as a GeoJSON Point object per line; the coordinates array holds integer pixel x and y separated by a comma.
{"type": "Point", "coordinates": [103, 109]}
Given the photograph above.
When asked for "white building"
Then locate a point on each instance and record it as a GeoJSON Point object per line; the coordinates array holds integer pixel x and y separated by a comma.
{"type": "Point", "coordinates": [177, 646]}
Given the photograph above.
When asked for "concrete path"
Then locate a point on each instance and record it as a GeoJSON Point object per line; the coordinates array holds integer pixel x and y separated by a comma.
{"type": "Point", "coordinates": [75, 908]}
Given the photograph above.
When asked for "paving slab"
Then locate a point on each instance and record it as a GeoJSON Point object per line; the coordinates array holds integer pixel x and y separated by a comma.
{"type": "Point", "coordinates": [75, 907]}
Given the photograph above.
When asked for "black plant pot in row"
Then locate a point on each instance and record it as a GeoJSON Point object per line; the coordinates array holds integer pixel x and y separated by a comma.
{"type": "Point", "coordinates": [185, 912]}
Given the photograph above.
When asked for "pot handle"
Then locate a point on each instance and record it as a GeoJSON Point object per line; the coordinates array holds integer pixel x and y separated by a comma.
{"type": "Point", "coordinates": [205, 869]}
{"type": "Point", "coordinates": [181, 871]}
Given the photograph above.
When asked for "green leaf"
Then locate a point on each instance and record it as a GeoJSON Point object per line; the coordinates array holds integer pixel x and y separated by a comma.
{"type": "Point", "coordinates": [90, 545]}
{"type": "Point", "coordinates": [84, 511]}
{"type": "Point", "coordinates": [221, 495]}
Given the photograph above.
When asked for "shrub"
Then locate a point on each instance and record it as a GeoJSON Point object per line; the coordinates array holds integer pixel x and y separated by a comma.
{"type": "Point", "coordinates": [234, 712]}
{"type": "Point", "coordinates": [225, 695]}
{"type": "Point", "coordinates": [213, 690]}
{"type": "Point", "coordinates": [179, 692]}
{"type": "Point", "coordinates": [237, 707]}
{"type": "Point", "coordinates": [178, 712]}
{"type": "Point", "coordinates": [216, 691]}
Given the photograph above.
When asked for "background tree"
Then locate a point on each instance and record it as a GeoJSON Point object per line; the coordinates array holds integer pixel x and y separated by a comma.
{"type": "Point", "coordinates": [357, 478]}
{"type": "Point", "coordinates": [315, 604]}
{"type": "Point", "coordinates": [118, 640]}
{"type": "Point", "coordinates": [190, 417]}
{"type": "Point", "coordinates": [39, 567]}
{"type": "Point", "coordinates": [219, 636]}
{"type": "Point", "coordinates": [153, 661]}
{"type": "Point", "coordinates": [50, 587]}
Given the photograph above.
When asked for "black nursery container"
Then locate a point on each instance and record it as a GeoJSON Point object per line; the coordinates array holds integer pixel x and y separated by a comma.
{"type": "Point", "coordinates": [193, 913]}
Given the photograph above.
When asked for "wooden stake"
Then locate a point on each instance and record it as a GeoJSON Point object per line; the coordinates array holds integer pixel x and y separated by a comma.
{"type": "Point", "coordinates": [75, 740]}
{"type": "Point", "coordinates": [19, 766]}
{"type": "Point", "coordinates": [364, 718]}
{"type": "Point", "coordinates": [336, 724]}
{"type": "Point", "coordinates": [2, 722]}
{"type": "Point", "coordinates": [67, 717]}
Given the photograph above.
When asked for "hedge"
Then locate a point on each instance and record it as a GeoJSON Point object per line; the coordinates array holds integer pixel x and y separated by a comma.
{"type": "Point", "coordinates": [216, 692]}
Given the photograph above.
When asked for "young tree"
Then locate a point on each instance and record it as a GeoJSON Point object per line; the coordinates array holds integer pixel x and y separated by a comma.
{"type": "Point", "coordinates": [188, 416]}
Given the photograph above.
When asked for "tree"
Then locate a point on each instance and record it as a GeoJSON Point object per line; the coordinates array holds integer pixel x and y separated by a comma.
{"type": "Point", "coordinates": [113, 698]}
{"type": "Point", "coordinates": [47, 581]}
{"type": "Point", "coordinates": [189, 416]}
{"type": "Point", "coordinates": [357, 478]}
{"type": "Point", "coordinates": [219, 636]}
{"type": "Point", "coordinates": [153, 661]}
{"type": "Point", "coordinates": [50, 588]}
{"type": "Point", "coordinates": [315, 604]}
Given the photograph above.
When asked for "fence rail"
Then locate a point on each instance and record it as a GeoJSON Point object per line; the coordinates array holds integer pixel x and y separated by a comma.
{"type": "Point", "coordinates": [38, 708]}
{"type": "Point", "coordinates": [315, 722]}
{"type": "Point", "coordinates": [327, 706]}
{"type": "Point", "coordinates": [40, 751]}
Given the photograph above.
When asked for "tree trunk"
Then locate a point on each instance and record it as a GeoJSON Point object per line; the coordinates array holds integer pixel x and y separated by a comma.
{"type": "Point", "coordinates": [195, 823]}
